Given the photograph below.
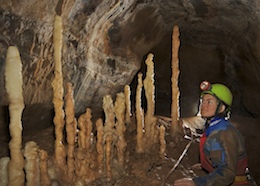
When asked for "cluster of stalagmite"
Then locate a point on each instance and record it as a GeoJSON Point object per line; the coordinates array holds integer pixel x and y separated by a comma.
{"type": "Point", "coordinates": [148, 131]}
{"type": "Point", "coordinates": [79, 157]}
{"type": "Point", "coordinates": [85, 158]}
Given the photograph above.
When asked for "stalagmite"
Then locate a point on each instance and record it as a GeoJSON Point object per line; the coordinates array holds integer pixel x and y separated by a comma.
{"type": "Point", "coordinates": [44, 177]}
{"type": "Point", "coordinates": [89, 134]}
{"type": "Point", "coordinates": [139, 115]}
{"type": "Point", "coordinates": [150, 119]}
{"type": "Point", "coordinates": [108, 107]}
{"type": "Point", "coordinates": [71, 124]}
{"type": "Point", "coordinates": [120, 127]}
{"type": "Point", "coordinates": [109, 140]}
{"type": "Point", "coordinates": [32, 164]}
{"type": "Point", "coordinates": [128, 113]}
{"type": "Point", "coordinates": [109, 130]}
{"type": "Point", "coordinates": [84, 166]}
{"type": "Point", "coordinates": [13, 84]}
{"type": "Point", "coordinates": [3, 171]}
{"type": "Point", "coordinates": [57, 86]}
{"type": "Point", "coordinates": [99, 145]}
{"type": "Point", "coordinates": [175, 77]}
{"type": "Point", "coordinates": [162, 142]}
{"type": "Point", "coordinates": [82, 131]}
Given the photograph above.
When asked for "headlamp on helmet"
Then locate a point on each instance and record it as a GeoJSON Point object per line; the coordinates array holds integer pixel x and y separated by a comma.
{"type": "Point", "coordinates": [221, 91]}
{"type": "Point", "coordinates": [205, 85]}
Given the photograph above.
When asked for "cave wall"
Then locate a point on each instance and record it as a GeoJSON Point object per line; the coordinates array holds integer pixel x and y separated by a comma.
{"type": "Point", "coordinates": [105, 43]}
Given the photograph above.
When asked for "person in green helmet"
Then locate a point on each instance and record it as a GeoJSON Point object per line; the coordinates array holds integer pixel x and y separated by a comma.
{"type": "Point", "coordinates": [222, 147]}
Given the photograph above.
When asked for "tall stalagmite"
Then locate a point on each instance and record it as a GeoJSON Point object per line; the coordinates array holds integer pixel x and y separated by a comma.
{"type": "Point", "coordinates": [57, 85]}
{"type": "Point", "coordinates": [13, 84]}
{"type": "Point", "coordinates": [120, 127]}
{"type": "Point", "coordinates": [71, 127]}
{"type": "Point", "coordinates": [175, 79]}
{"type": "Point", "coordinates": [139, 115]}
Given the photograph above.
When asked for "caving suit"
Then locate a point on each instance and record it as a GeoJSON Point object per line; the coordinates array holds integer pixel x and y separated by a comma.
{"type": "Point", "coordinates": [223, 155]}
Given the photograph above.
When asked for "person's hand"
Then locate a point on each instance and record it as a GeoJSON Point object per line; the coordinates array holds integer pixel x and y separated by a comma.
{"type": "Point", "coordinates": [184, 182]}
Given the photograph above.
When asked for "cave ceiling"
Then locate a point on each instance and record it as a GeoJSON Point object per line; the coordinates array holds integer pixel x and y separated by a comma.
{"type": "Point", "coordinates": [105, 43]}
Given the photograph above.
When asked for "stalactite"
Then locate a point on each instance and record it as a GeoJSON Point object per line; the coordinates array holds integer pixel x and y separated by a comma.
{"type": "Point", "coordinates": [139, 115]}
{"type": "Point", "coordinates": [175, 79]}
{"type": "Point", "coordinates": [13, 85]}
{"type": "Point", "coordinates": [71, 125]}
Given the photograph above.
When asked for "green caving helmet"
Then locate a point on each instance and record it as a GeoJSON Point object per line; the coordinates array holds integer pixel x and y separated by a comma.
{"type": "Point", "coordinates": [221, 91]}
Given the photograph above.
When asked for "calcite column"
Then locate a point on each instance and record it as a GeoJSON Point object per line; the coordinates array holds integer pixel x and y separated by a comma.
{"type": "Point", "coordinates": [175, 79]}
{"type": "Point", "coordinates": [13, 85]}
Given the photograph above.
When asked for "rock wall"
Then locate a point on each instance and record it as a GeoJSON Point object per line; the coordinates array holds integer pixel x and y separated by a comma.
{"type": "Point", "coordinates": [104, 44]}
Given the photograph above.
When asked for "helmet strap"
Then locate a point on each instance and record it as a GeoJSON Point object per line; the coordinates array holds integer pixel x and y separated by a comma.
{"type": "Point", "coordinates": [217, 109]}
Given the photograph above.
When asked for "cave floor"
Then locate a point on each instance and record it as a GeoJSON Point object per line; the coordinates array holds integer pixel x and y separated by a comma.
{"type": "Point", "coordinates": [149, 168]}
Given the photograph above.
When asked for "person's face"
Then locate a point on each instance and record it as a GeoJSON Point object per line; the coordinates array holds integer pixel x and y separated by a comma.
{"type": "Point", "coordinates": [208, 105]}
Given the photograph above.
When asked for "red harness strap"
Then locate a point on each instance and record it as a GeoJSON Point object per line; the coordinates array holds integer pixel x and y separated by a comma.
{"type": "Point", "coordinates": [205, 163]}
